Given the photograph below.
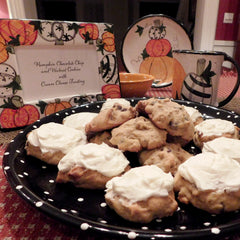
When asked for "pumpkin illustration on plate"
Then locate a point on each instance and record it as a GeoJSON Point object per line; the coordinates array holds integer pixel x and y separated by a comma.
{"type": "Point", "coordinates": [16, 114]}
{"type": "Point", "coordinates": [157, 56]}
{"type": "Point", "coordinates": [198, 86]}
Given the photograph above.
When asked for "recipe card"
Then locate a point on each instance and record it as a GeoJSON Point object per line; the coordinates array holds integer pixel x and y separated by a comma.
{"type": "Point", "coordinates": [51, 63]}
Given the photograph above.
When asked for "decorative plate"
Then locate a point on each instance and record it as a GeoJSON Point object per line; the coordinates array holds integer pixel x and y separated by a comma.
{"type": "Point", "coordinates": [34, 181]}
{"type": "Point", "coordinates": [148, 43]}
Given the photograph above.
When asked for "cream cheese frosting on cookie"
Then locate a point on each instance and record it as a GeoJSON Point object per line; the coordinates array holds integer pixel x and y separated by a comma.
{"type": "Point", "coordinates": [193, 113]}
{"type": "Point", "coordinates": [52, 137]}
{"type": "Point", "coordinates": [140, 183]}
{"type": "Point", "coordinates": [215, 127]}
{"type": "Point", "coordinates": [102, 158]}
{"type": "Point", "coordinates": [79, 120]}
{"type": "Point", "coordinates": [210, 171]}
{"type": "Point", "coordinates": [223, 145]}
{"type": "Point", "coordinates": [111, 101]}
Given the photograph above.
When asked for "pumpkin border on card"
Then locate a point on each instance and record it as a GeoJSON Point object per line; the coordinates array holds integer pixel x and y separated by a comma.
{"type": "Point", "coordinates": [14, 113]}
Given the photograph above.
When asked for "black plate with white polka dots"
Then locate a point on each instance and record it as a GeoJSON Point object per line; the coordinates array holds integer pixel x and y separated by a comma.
{"type": "Point", "coordinates": [34, 181]}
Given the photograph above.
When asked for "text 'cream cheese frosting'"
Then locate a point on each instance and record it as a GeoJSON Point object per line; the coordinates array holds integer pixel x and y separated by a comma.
{"type": "Point", "coordinates": [52, 137]}
{"type": "Point", "coordinates": [223, 145]}
{"type": "Point", "coordinates": [79, 120]}
{"type": "Point", "coordinates": [215, 127]}
{"type": "Point", "coordinates": [210, 171]}
{"type": "Point", "coordinates": [102, 158]}
{"type": "Point", "coordinates": [140, 183]}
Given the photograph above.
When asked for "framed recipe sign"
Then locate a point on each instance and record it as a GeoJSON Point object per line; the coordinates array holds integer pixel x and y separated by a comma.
{"type": "Point", "coordinates": [46, 66]}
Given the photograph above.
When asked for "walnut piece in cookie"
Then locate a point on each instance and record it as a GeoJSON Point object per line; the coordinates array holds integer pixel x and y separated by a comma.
{"type": "Point", "coordinates": [214, 128]}
{"type": "Point", "coordinates": [110, 118]}
{"type": "Point", "coordinates": [137, 134]}
{"type": "Point", "coordinates": [101, 137]}
{"type": "Point", "coordinates": [168, 115]}
{"type": "Point", "coordinates": [142, 194]}
{"type": "Point", "coordinates": [167, 157]}
{"type": "Point", "coordinates": [91, 166]}
{"type": "Point", "coordinates": [210, 182]}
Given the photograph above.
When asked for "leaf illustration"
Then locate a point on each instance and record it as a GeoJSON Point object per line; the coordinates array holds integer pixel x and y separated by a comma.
{"type": "Point", "coordinates": [208, 74]}
{"type": "Point", "coordinates": [37, 25]}
{"type": "Point", "coordinates": [144, 54]}
{"type": "Point", "coordinates": [42, 105]}
{"type": "Point", "coordinates": [139, 30]}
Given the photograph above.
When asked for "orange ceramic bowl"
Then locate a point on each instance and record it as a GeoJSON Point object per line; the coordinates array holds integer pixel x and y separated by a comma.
{"type": "Point", "coordinates": [135, 84]}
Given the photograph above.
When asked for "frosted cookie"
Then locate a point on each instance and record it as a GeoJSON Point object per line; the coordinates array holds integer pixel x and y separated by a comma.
{"type": "Point", "coordinates": [111, 101]}
{"type": "Point", "coordinates": [91, 166]}
{"type": "Point", "coordinates": [142, 194]}
{"type": "Point", "coordinates": [168, 115]}
{"type": "Point", "coordinates": [79, 120]}
{"type": "Point", "coordinates": [223, 145]}
{"type": "Point", "coordinates": [167, 157]}
{"type": "Point", "coordinates": [214, 128]}
{"type": "Point", "coordinates": [210, 182]}
{"type": "Point", "coordinates": [51, 141]}
{"type": "Point", "coordinates": [137, 134]}
{"type": "Point", "coordinates": [101, 137]}
{"type": "Point", "coordinates": [110, 118]}
{"type": "Point", "coordinates": [194, 114]}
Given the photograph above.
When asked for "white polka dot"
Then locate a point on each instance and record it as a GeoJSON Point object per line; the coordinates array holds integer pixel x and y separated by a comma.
{"type": "Point", "coordinates": [18, 151]}
{"type": "Point", "coordinates": [44, 167]}
{"type": "Point", "coordinates": [34, 126]}
{"type": "Point", "coordinates": [51, 181]}
{"type": "Point", "coordinates": [50, 200]}
{"type": "Point", "coordinates": [57, 114]}
{"type": "Point", "coordinates": [73, 111]}
{"type": "Point", "coordinates": [168, 230]}
{"type": "Point", "coordinates": [218, 113]}
{"type": "Point", "coordinates": [6, 153]}
{"type": "Point", "coordinates": [103, 204]}
{"type": "Point", "coordinates": [6, 168]}
{"type": "Point", "coordinates": [215, 230]}
{"type": "Point", "coordinates": [19, 187]}
{"type": "Point", "coordinates": [20, 175]}
{"type": "Point", "coordinates": [144, 228]}
{"type": "Point", "coordinates": [63, 210]}
{"type": "Point", "coordinates": [183, 227]}
{"type": "Point", "coordinates": [228, 116]}
{"type": "Point", "coordinates": [84, 226]}
{"type": "Point", "coordinates": [74, 211]}
{"type": "Point", "coordinates": [207, 224]}
{"type": "Point", "coordinates": [25, 173]}
{"type": "Point", "coordinates": [103, 221]}
{"type": "Point", "coordinates": [46, 192]}
{"type": "Point", "coordinates": [22, 161]}
{"type": "Point", "coordinates": [158, 220]}
{"type": "Point", "coordinates": [80, 199]}
{"type": "Point", "coordinates": [38, 204]}
{"type": "Point", "coordinates": [132, 235]}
